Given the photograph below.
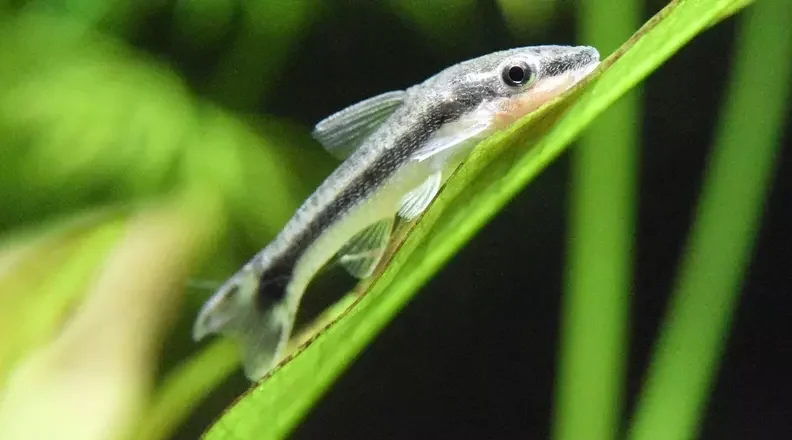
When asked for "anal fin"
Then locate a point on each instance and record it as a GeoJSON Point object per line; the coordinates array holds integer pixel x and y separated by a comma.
{"type": "Point", "coordinates": [362, 253]}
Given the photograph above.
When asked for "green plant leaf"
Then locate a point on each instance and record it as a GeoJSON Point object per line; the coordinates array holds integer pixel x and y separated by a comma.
{"type": "Point", "coordinates": [191, 381]}
{"type": "Point", "coordinates": [494, 173]}
{"type": "Point", "coordinates": [185, 387]}
{"type": "Point", "coordinates": [601, 230]}
{"type": "Point", "coordinates": [90, 119]}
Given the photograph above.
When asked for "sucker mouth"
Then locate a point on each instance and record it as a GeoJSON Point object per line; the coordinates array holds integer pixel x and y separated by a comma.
{"type": "Point", "coordinates": [582, 73]}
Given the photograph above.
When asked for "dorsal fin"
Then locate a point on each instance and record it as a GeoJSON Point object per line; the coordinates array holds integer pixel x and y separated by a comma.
{"type": "Point", "coordinates": [342, 133]}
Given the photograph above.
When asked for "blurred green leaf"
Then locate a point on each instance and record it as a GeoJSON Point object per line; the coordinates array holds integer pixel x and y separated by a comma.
{"type": "Point", "coordinates": [43, 276]}
{"type": "Point", "coordinates": [104, 356]}
{"type": "Point", "coordinates": [86, 122]}
{"type": "Point", "coordinates": [117, 17]}
{"type": "Point", "coordinates": [494, 173]}
{"type": "Point", "coordinates": [98, 123]}
{"type": "Point", "coordinates": [189, 383]}
{"type": "Point", "coordinates": [185, 387]}
{"type": "Point", "coordinates": [685, 361]}
{"type": "Point", "coordinates": [595, 305]}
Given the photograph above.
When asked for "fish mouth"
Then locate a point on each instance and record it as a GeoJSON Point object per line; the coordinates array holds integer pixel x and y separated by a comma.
{"type": "Point", "coordinates": [589, 60]}
{"type": "Point", "coordinates": [579, 74]}
{"type": "Point", "coordinates": [591, 53]}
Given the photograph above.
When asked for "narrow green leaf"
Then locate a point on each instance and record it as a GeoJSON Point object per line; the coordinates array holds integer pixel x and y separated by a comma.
{"type": "Point", "coordinates": [685, 361]}
{"type": "Point", "coordinates": [599, 261]}
{"type": "Point", "coordinates": [494, 173]}
{"type": "Point", "coordinates": [186, 387]}
{"type": "Point", "coordinates": [189, 383]}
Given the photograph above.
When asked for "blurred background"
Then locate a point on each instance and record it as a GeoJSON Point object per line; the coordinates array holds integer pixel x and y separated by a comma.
{"type": "Point", "coordinates": [148, 147]}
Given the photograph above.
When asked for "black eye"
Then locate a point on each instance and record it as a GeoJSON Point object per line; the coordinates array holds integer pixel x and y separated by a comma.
{"type": "Point", "coordinates": [517, 74]}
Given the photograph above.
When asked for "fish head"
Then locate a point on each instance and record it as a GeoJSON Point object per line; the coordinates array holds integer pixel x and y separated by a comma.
{"type": "Point", "coordinates": [509, 84]}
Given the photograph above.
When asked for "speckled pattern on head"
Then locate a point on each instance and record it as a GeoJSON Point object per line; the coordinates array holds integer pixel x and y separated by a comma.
{"type": "Point", "coordinates": [368, 186]}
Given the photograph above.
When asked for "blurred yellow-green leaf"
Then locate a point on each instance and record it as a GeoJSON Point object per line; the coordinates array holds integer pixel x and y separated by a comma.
{"type": "Point", "coordinates": [106, 350]}
{"type": "Point", "coordinates": [44, 276]}
{"type": "Point", "coordinates": [79, 108]}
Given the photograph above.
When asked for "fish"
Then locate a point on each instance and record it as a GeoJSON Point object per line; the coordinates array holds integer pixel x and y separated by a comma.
{"type": "Point", "coordinates": [398, 148]}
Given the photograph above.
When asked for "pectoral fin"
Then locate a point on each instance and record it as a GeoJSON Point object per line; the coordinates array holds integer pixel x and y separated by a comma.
{"type": "Point", "coordinates": [447, 139]}
{"type": "Point", "coordinates": [343, 132]}
{"type": "Point", "coordinates": [463, 132]}
{"type": "Point", "coordinates": [362, 253]}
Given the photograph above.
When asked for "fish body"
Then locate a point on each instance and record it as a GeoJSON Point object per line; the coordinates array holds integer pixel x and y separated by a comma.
{"type": "Point", "coordinates": [398, 148]}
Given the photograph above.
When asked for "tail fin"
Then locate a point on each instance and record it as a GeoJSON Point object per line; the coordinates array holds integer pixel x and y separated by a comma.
{"type": "Point", "coordinates": [262, 333]}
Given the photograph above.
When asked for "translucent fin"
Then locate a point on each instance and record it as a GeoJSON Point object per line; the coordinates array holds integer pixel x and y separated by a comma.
{"type": "Point", "coordinates": [342, 133]}
{"type": "Point", "coordinates": [262, 338]}
{"type": "Point", "coordinates": [466, 130]}
{"type": "Point", "coordinates": [262, 334]}
{"type": "Point", "coordinates": [416, 201]}
{"type": "Point", "coordinates": [361, 255]}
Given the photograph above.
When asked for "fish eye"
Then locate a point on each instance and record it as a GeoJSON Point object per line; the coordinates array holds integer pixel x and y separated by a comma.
{"type": "Point", "coordinates": [517, 74]}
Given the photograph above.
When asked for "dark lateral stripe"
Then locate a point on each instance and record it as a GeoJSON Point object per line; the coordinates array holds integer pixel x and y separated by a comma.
{"type": "Point", "coordinates": [368, 182]}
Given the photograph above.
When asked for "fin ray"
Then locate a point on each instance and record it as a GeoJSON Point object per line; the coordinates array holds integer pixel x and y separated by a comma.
{"type": "Point", "coordinates": [416, 201]}
{"type": "Point", "coordinates": [466, 130]}
{"type": "Point", "coordinates": [343, 132]}
{"type": "Point", "coordinates": [362, 253]}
